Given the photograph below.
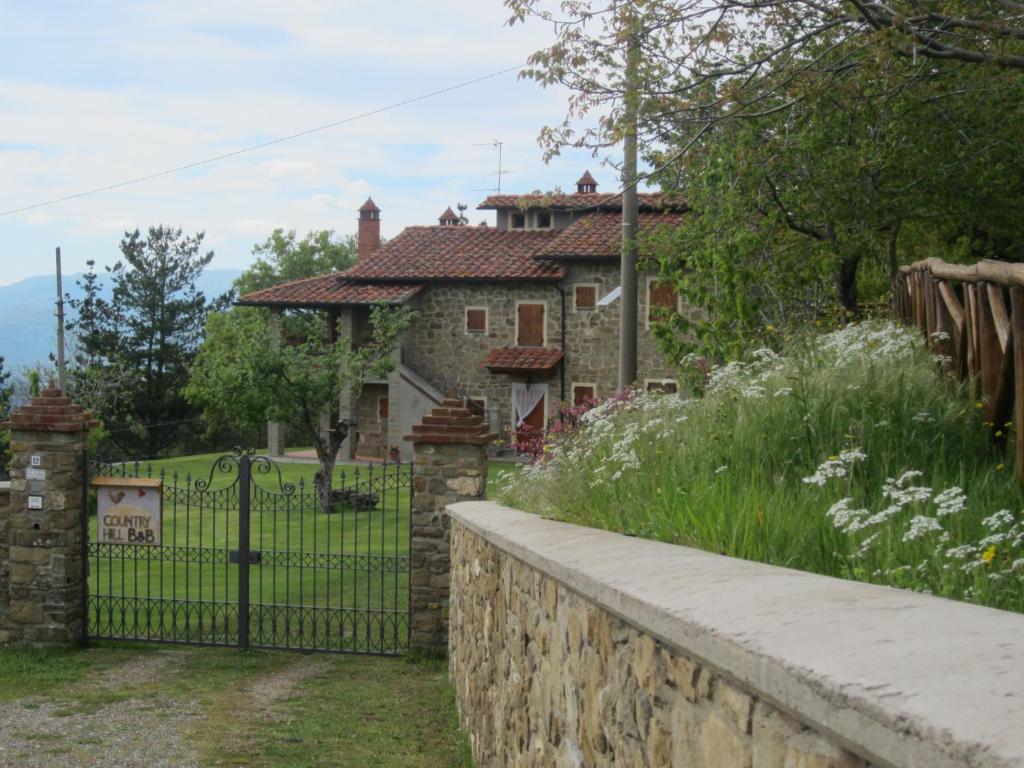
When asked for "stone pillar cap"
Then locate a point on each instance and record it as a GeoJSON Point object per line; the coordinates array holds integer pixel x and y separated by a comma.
{"type": "Point", "coordinates": [51, 411]}
{"type": "Point", "coordinates": [452, 423]}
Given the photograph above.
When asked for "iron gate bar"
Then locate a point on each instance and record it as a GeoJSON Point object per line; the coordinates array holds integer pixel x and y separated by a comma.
{"type": "Point", "coordinates": [244, 483]}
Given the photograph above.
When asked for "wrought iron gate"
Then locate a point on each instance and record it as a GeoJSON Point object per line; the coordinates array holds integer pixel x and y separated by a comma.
{"type": "Point", "coordinates": [249, 558]}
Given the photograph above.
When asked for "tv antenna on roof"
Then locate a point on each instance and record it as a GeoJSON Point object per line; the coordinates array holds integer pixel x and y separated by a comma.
{"type": "Point", "coordinates": [497, 145]}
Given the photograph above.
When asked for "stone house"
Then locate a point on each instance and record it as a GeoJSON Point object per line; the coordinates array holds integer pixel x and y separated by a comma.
{"type": "Point", "coordinates": [520, 317]}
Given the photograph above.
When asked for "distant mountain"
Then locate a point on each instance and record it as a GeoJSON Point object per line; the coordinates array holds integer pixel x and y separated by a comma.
{"type": "Point", "coordinates": [28, 331]}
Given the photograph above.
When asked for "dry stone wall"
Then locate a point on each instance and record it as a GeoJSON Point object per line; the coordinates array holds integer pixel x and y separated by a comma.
{"type": "Point", "coordinates": [544, 677]}
{"type": "Point", "coordinates": [572, 646]}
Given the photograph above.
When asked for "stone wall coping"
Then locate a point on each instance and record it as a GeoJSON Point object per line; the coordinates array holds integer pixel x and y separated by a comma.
{"type": "Point", "coordinates": [5, 486]}
{"type": "Point", "coordinates": [903, 679]}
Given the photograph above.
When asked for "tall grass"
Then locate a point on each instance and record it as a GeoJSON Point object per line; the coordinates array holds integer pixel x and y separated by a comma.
{"type": "Point", "coordinates": [808, 460]}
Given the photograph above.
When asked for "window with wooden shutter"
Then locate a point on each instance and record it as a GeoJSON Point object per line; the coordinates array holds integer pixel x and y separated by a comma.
{"type": "Point", "coordinates": [582, 394]}
{"type": "Point", "coordinates": [382, 407]}
{"type": "Point", "coordinates": [476, 320]}
{"type": "Point", "coordinates": [531, 325]}
{"type": "Point", "coordinates": [586, 296]}
{"type": "Point", "coordinates": [663, 296]}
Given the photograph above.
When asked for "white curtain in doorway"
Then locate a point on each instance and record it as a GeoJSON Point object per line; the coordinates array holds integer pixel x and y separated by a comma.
{"type": "Point", "coordinates": [526, 398]}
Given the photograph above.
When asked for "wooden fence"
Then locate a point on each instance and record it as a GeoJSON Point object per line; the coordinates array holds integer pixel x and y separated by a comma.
{"type": "Point", "coordinates": [973, 316]}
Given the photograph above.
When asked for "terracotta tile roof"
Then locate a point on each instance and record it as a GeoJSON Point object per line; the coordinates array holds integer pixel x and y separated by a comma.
{"type": "Point", "coordinates": [599, 235]}
{"type": "Point", "coordinates": [586, 180]}
{"type": "Point", "coordinates": [369, 206]}
{"type": "Point", "coordinates": [579, 200]}
{"type": "Point", "coordinates": [330, 290]}
{"type": "Point", "coordinates": [521, 359]}
{"type": "Point", "coordinates": [459, 253]}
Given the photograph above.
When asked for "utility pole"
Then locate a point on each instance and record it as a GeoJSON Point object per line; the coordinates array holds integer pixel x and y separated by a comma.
{"type": "Point", "coordinates": [630, 213]}
{"type": "Point", "coordinates": [61, 373]}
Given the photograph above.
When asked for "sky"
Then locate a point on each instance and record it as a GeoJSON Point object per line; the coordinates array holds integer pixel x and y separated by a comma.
{"type": "Point", "coordinates": [95, 93]}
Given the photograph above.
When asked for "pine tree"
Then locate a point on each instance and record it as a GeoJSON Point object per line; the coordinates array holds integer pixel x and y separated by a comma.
{"type": "Point", "coordinates": [163, 311]}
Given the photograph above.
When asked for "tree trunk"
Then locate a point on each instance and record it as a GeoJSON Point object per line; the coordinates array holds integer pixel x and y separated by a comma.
{"type": "Point", "coordinates": [846, 285]}
{"type": "Point", "coordinates": [327, 452]}
{"type": "Point", "coordinates": [891, 251]}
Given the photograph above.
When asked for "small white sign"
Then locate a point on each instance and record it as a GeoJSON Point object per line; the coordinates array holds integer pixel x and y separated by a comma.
{"type": "Point", "coordinates": [129, 510]}
{"type": "Point", "coordinates": [37, 461]}
{"type": "Point", "coordinates": [35, 474]}
{"type": "Point", "coordinates": [35, 502]}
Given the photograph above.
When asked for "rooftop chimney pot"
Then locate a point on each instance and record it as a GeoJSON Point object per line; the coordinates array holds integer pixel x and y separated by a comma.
{"type": "Point", "coordinates": [369, 228]}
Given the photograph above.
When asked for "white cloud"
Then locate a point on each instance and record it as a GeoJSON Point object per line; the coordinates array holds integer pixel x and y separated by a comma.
{"type": "Point", "coordinates": [145, 107]}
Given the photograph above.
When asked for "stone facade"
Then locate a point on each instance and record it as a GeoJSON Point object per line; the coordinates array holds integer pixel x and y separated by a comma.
{"type": "Point", "coordinates": [42, 527]}
{"type": "Point", "coordinates": [439, 348]}
{"type": "Point", "coordinates": [544, 677]}
{"type": "Point", "coordinates": [449, 465]}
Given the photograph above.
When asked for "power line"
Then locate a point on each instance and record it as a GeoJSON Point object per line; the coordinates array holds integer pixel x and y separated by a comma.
{"type": "Point", "coordinates": [263, 145]}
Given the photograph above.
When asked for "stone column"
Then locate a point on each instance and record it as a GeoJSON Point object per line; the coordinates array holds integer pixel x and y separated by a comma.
{"type": "Point", "coordinates": [276, 434]}
{"type": "Point", "coordinates": [345, 327]}
{"type": "Point", "coordinates": [449, 465]}
{"type": "Point", "coordinates": [43, 526]}
{"type": "Point", "coordinates": [5, 599]}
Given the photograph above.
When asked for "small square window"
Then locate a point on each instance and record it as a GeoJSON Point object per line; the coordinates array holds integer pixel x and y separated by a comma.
{"type": "Point", "coordinates": [543, 220]}
{"type": "Point", "coordinates": [476, 320]}
{"type": "Point", "coordinates": [659, 297]}
{"type": "Point", "coordinates": [586, 297]}
{"type": "Point", "coordinates": [517, 221]}
{"type": "Point", "coordinates": [666, 386]}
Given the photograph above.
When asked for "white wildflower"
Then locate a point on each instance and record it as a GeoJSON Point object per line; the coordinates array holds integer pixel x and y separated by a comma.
{"type": "Point", "coordinates": [865, 545]}
{"type": "Point", "coordinates": [843, 517]}
{"type": "Point", "coordinates": [721, 469]}
{"type": "Point", "coordinates": [923, 417]}
{"type": "Point", "coordinates": [950, 501]}
{"type": "Point", "coordinates": [783, 391]}
{"type": "Point", "coordinates": [993, 540]}
{"type": "Point", "coordinates": [1000, 519]}
{"type": "Point", "coordinates": [921, 525]}
{"type": "Point", "coordinates": [851, 455]}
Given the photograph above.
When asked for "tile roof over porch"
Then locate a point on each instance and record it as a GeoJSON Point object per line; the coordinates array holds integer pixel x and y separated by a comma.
{"type": "Point", "coordinates": [330, 290]}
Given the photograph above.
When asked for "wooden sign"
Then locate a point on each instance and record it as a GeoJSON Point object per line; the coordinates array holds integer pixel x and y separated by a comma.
{"type": "Point", "coordinates": [129, 510]}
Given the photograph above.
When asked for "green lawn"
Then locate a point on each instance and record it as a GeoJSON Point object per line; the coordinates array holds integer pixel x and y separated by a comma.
{"type": "Point", "coordinates": [212, 707]}
{"type": "Point", "coordinates": [331, 581]}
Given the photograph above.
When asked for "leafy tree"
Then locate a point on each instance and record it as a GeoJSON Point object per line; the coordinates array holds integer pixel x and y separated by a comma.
{"type": "Point", "coordinates": [818, 143]}
{"type": "Point", "coordinates": [283, 257]}
{"type": "Point", "coordinates": [240, 382]}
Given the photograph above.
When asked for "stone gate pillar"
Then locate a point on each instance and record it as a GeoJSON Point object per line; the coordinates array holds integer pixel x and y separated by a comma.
{"type": "Point", "coordinates": [449, 465]}
{"type": "Point", "coordinates": [42, 588]}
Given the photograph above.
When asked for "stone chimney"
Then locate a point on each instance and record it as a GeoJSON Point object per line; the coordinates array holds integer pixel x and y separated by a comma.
{"type": "Point", "coordinates": [369, 228]}
{"type": "Point", "coordinates": [586, 184]}
{"type": "Point", "coordinates": [449, 218]}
